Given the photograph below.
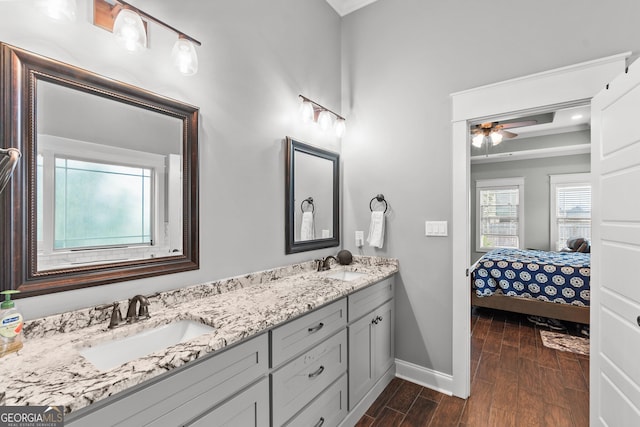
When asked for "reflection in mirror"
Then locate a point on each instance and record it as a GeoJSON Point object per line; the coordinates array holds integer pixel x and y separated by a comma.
{"type": "Point", "coordinates": [107, 175]}
{"type": "Point", "coordinates": [312, 199]}
{"type": "Point", "coordinates": [108, 188]}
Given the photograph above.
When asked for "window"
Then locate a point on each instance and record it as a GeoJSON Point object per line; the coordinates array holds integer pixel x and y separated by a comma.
{"type": "Point", "coordinates": [499, 213]}
{"type": "Point", "coordinates": [570, 208]}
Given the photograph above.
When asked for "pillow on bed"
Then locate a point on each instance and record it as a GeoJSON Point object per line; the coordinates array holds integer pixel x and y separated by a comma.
{"type": "Point", "coordinates": [579, 244]}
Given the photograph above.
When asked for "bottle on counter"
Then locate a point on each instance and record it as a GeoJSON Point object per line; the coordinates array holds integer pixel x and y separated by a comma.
{"type": "Point", "coordinates": [10, 325]}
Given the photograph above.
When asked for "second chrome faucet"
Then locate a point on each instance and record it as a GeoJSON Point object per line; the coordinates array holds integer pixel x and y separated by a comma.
{"type": "Point", "coordinates": [325, 264]}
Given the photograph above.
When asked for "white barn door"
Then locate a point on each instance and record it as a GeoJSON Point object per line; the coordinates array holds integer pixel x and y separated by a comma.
{"type": "Point", "coordinates": [615, 290]}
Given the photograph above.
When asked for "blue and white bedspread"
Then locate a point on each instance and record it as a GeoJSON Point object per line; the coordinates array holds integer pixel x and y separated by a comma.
{"type": "Point", "coordinates": [561, 277]}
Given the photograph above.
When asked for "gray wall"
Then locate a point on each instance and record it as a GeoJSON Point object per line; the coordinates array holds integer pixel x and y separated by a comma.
{"type": "Point", "coordinates": [401, 60]}
{"type": "Point", "coordinates": [536, 193]}
{"type": "Point", "coordinates": [255, 58]}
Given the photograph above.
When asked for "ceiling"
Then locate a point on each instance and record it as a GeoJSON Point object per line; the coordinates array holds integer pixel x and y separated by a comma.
{"type": "Point", "coordinates": [345, 7]}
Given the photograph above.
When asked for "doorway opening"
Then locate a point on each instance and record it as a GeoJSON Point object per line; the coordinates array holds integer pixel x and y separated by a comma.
{"type": "Point", "coordinates": [535, 94]}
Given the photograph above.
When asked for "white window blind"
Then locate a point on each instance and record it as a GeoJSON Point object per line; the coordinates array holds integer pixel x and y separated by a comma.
{"type": "Point", "coordinates": [500, 217]}
{"type": "Point", "coordinates": [570, 208]}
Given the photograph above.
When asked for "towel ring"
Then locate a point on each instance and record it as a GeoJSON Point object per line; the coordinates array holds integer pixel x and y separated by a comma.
{"type": "Point", "coordinates": [379, 198]}
{"type": "Point", "coordinates": [308, 200]}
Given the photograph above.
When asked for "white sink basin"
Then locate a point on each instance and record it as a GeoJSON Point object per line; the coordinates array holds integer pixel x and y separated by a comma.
{"type": "Point", "coordinates": [345, 275]}
{"type": "Point", "coordinates": [109, 354]}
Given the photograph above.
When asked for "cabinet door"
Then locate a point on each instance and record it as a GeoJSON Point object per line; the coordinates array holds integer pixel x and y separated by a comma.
{"type": "Point", "coordinates": [371, 350]}
{"type": "Point", "coordinates": [383, 346]}
{"type": "Point", "coordinates": [249, 408]}
{"type": "Point", "coordinates": [361, 369]}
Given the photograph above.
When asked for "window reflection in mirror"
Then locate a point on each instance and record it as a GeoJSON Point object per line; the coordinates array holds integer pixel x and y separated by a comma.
{"type": "Point", "coordinates": [106, 182]}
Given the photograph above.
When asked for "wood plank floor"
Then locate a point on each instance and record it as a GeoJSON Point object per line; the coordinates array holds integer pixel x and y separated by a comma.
{"type": "Point", "coordinates": [516, 381]}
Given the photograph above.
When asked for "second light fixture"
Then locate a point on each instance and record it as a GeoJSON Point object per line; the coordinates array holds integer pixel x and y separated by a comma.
{"type": "Point", "coordinates": [311, 111]}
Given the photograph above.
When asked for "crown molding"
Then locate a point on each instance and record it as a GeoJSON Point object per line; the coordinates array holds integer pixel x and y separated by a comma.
{"type": "Point", "coordinates": [345, 7]}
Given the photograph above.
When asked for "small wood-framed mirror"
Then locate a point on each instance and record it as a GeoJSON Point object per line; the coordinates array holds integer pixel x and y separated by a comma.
{"type": "Point", "coordinates": [312, 197]}
{"type": "Point", "coordinates": [107, 188]}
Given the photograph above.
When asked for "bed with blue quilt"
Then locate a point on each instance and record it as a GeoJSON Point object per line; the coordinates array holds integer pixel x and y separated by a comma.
{"type": "Point", "coordinates": [541, 283]}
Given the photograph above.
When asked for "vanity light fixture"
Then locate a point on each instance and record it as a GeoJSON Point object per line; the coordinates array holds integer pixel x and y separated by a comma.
{"type": "Point", "coordinates": [126, 22]}
{"type": "Point", "coordinates": [62, 10]}
{"type": "Point", "coordinates": [311, 111]}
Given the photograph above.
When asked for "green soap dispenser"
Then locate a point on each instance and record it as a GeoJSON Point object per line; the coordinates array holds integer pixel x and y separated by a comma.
{"type": "Point", "coordinates": [10, 325]}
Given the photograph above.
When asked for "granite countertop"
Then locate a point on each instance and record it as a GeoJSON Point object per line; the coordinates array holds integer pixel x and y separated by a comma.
{"type": "Point", "coordinates": [50, 371]}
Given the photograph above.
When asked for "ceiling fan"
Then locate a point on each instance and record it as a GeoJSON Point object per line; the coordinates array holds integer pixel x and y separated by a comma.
{"type": "Point", "coordinates": [494, 132]}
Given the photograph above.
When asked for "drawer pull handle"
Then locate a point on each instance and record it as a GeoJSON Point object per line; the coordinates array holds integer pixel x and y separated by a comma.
{"type": "Point", "coordinates": [379, 318]}
{"type": "Point", "coordinates": [320, 422]}
{"type": "Point", "coordinates": [317, 372]}
{"type": "Point", "coordinates": [316, 328]}
{"type": "Point", "coordinates": [638, 320]}
{"type": "Point", "coordinates": [376, 320]}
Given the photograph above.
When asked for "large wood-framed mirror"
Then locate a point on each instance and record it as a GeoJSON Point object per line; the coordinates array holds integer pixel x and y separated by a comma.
{"type": "Point", "coordinates": [107, 188]}
{"type": "Point", "coordinates": [312, 199]}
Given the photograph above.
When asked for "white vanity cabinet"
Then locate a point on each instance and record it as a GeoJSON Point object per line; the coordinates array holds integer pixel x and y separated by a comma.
{"type": "Point", "coordinates": [371, 338]}
{"type": "Point", "coordinates": [309, 356]}
{"type": "Point", "coordinates": [185, 394]}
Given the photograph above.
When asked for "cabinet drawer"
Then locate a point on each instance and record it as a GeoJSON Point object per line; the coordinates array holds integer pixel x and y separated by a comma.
{"type": "Point", "coordinates": [327, 410]}
{"type": "Point", "coordinates": [368, 299]}
{"type": "Point", "coordinates": [186, 392]}
{"type": "Point", "coordinates": [304, 332]}
{"type": "Point", "coordinates": [250, 408]}
{"type": "Point", "coordinates": [298, 382]}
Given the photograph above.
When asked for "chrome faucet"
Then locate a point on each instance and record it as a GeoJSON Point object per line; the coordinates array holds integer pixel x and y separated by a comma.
{"type": "Point", "coordinates": [116, 316]}
{"type": "Point", "coordinates": [324, 264]}
{"type": "Point", "coordinates": [143, 311]}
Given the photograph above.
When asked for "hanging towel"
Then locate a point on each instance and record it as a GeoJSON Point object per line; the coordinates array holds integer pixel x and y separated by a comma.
{"type": "Point", "coordinates": [307, 228]}
{"type": "Point", "coordinates": [376, 229]}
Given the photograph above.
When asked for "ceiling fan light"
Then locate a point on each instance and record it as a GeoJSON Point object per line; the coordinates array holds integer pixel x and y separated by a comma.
{"type": "Point", "coordinates": [477, 140]}
{"type": "Point", "coordinates": [496, 138]}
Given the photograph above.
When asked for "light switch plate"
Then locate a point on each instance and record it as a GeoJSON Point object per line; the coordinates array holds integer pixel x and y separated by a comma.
{"type": "Point", "coordinates": [435, 228]}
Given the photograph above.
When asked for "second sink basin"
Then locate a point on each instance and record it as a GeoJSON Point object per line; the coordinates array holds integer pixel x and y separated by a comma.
{"type": "Point", "coordinates": [345, 275]}
{"type": "Point", "coordinates": [109, 354]}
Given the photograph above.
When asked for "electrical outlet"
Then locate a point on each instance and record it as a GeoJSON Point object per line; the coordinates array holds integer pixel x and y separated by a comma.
{"type": "Point", "coordinates": [359, 239]}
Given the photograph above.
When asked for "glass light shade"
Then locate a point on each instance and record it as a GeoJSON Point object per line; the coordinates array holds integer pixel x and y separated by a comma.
{"type": "Point", "coordinates": [496, 138]}
{"type": "Point", "coordinates": [325, 120]}
{"type": "Point", "coordinates": [306, 112]}
{"type": "Point", "coordinates": [340, 127]}
{"type": "Point", "coordinates": [184, 57]}
{"type": "Point", "coordinates": [129, 30]}
{"type": "Point", "coordinates": [477, 140]}
{"type": "Point", "coordinates": [62, 10]}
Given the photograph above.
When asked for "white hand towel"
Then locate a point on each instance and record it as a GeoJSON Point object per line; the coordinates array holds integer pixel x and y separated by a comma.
{"type": "Point", "coordinates": [376, 229]}
{"type": "Point", "coordinates": [307, 228]}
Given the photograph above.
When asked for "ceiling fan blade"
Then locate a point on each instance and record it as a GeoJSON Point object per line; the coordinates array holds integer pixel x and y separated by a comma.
{"type": "Point", "coordinates": [508, 134]}
{"type": "Point", "coordinates": [518, 124]}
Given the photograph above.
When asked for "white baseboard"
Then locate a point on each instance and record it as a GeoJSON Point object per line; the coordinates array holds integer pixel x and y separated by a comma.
{"type": "Point", "coordinates": [425, 377]}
